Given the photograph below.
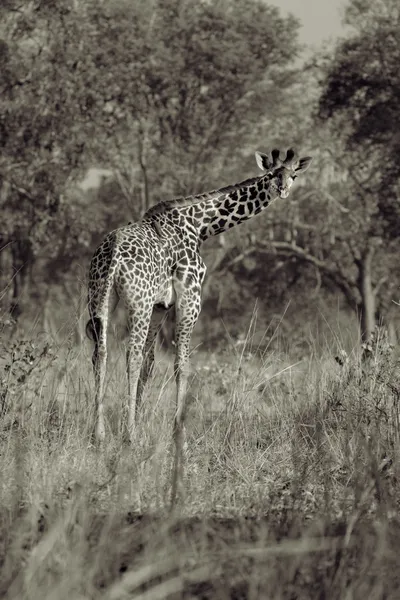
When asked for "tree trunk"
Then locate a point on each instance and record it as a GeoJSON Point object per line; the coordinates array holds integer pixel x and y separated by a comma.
{"type": "Point", "coordinates": [367, 312]}
{"type": "Point", "coordinates": [142, 146]}
{"type": "Point", "coordinates": [22, 261]}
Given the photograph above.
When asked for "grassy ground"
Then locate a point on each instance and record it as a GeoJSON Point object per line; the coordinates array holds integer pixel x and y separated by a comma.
{"type": "Point", "coordinates": [291, 479]}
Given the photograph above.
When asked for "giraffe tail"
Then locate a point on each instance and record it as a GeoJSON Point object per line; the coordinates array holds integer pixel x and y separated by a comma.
{"type": "Point", "coordinates": [93, 328]}
{"type": "Point", "coordinates": [98, 312]}
{"type": "Point", "coordinates": [100, 290]}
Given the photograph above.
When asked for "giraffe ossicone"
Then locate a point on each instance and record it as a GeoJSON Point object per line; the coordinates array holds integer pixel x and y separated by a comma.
{"type": "Point", "coordinates": [156, 263]}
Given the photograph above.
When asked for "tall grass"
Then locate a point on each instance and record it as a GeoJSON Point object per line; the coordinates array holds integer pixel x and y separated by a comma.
{"type": "Point", "coordinates": [291, 478]}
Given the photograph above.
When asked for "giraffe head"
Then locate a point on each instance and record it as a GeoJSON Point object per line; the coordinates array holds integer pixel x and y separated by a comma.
{"type": "Point", "coordinates": [282, 173]}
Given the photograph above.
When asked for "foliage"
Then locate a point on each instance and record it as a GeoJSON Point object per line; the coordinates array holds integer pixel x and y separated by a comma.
{"type": "Point", "coordinates": [23, 366]}
{"type": "Point", "coordinates": [352, 245]}
{"type": "Point", "coordinates": [161, 93]}
{"type": "Point", "coordinates": [362, 93]}
{"type": "Point", "coordinates": [156, 91]}
{"type": "Point", "coordinates": [363, 79]}
{"type": "Point", "coordinates": [372, 375]}
{"type": "Point", "coordinates": [42, 130]}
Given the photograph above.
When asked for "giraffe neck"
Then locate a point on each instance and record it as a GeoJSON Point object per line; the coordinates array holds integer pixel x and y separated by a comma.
{"type": "Point", "coordinates": [225, 208]}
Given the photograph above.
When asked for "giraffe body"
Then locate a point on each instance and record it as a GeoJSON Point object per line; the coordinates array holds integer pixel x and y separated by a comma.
{"type": "Point", "coordinates": [156, 263]}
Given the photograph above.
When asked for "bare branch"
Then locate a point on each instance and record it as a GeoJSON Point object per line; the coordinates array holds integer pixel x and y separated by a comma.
{"type": "Point", "coordinates": [379, 284]}
{"type": "Point", "coordinates": [335, 273]}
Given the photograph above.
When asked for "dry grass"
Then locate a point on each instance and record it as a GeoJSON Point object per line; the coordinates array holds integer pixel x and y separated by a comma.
{"type": "Point", "coordinates": [291, 480]}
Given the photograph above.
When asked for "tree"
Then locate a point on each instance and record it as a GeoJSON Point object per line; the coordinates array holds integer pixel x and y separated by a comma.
{"type": "Point", "coordinates": [333, 223]}
{"type": "Point", "coordinates": [42, 131]}
{"type": "Point", "coordinates": [159, 91]}
{"type": "Point", "coordinates": [199, 81]}
{"type": "Point", "coordinates": [362, 90]}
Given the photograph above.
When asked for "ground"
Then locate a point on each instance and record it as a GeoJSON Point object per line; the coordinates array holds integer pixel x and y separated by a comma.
{"type": "Point", "coordinates": [291, 478]}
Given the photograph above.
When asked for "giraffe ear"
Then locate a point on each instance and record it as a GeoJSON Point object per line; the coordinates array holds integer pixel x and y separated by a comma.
{"type": "Point", "coordinates": [303, 164]}
{"type": "Point", "coordinates": [263, 161]}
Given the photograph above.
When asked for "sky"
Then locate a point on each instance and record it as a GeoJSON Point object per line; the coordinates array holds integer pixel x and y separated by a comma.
{"type": "Point", "coordinates": [320, 19]}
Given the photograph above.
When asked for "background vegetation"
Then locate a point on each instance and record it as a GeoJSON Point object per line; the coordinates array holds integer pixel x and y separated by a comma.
{"type": "Point", "coordinates": [291, 486]}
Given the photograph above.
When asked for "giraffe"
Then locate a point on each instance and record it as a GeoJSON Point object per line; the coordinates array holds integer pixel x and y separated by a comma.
{"type": "Point", "coordinates": [156, 263]}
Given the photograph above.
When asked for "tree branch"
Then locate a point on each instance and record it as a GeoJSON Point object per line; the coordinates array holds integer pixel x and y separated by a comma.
{"type": "Point", "coordinates": [346, 285]}
{"type": "Point", "coordinates": [335, 274]}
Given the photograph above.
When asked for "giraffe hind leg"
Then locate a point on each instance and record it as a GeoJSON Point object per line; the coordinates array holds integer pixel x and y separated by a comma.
{"type": "Point", "coordinates": [187, 313]}
{"type": "Point", "coordinates": [97, 328]}
{"type": "Point", "coordinates": [157, 318]}
{"type": "Point", "coordinates": [139, 322]}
